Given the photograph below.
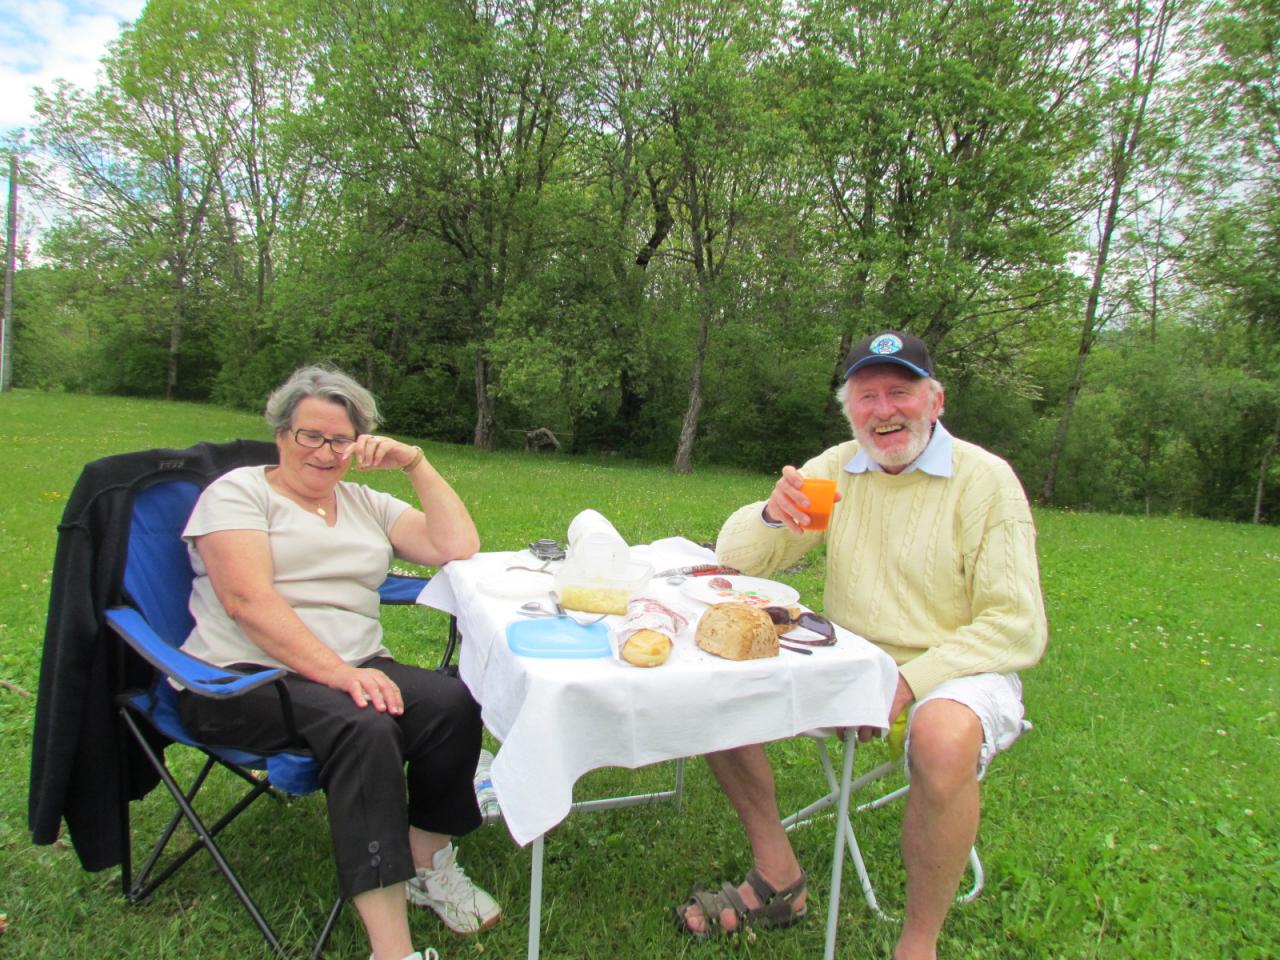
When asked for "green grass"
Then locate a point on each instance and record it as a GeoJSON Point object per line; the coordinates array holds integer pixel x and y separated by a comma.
{"type": "Point", "coordinates": [1137, 820]}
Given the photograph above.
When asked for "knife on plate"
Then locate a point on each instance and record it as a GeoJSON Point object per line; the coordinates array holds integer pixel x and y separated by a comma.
{"type": "Point", "coordinates": [699, 570]}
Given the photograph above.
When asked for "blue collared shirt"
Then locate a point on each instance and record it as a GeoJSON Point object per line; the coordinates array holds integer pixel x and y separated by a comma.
{"type": "Point", "coordinates": [934, 460]}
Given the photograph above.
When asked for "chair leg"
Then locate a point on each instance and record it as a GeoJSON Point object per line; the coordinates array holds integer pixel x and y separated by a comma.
{"type": "Point", "coordinates": [330, 922]}
{"type": "Point", "coordinates": [205, 839]}
{"type": "Point", "coordinates": [838, 795]}
{"type": "Point", "coordinates": [145, 884]}
{"type": "Point", "coordinates": [979, 878]}
{"type": "Point", "coordinates": [806, 814]}
{"type": "Point", "coordinates": [126, 835]}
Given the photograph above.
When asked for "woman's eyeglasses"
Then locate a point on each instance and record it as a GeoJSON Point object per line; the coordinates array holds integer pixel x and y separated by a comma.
{"type": "Point", "coordinates": [314, 440]}
{"type": "Point", "coordinates": [813, 622]}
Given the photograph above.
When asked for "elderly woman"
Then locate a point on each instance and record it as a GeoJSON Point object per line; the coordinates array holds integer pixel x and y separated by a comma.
{"type": "Point", "coordinates": [288, 560]}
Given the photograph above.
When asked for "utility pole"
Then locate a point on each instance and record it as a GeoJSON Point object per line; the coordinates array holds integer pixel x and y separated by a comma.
{"type": "Point", "coordinates": [6, 328]}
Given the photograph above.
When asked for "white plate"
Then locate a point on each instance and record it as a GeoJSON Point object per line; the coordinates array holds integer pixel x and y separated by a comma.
{"type": "Point", "coordinates": [518, 585]}
{"type": "Point", "coordinates": [752, 591]}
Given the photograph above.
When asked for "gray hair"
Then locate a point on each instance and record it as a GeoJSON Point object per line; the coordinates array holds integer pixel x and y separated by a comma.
{"type": "Point", "coordinates": [323, 383]}
{"type": "Point", "coordinates": [842, 396]}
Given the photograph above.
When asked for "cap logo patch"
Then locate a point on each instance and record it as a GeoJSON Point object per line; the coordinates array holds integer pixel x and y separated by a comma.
{"type": "Point", "coordinates": [885, 344]}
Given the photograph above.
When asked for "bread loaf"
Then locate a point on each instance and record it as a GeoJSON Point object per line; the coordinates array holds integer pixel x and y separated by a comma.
{"type": "Point", "coordinates": [647, 648]}
{"type": "Point", "coordinates": [737, 632]}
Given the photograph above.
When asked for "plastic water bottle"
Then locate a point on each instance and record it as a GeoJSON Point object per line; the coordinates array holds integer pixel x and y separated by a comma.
{"type": "Point", "coordinates": [485, 797]}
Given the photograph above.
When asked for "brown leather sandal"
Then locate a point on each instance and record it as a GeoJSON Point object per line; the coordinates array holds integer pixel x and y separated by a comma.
{"type": "Point", "coordinates": [775, 910]}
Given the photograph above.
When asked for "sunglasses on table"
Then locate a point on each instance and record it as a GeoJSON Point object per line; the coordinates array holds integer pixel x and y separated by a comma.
{"type": "Point", "coordinates": [813, 622]}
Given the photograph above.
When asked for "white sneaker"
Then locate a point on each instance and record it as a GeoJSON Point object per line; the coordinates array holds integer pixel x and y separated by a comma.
{"type": "Point", "coordinates": [427, 954]}
{"type": "Point", "coordinates": [463, 906]}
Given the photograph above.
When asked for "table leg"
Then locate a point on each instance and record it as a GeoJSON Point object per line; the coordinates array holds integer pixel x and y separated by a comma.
{"type": "Point", "coordinates": [535, 899]}
{"type": "Point", "coordinates": [842, 840]}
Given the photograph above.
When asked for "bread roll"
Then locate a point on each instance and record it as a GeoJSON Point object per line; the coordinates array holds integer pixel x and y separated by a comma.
{"type": "Point", "coordinates": [647, 648]}
{"type": "Point", "coordinates": [737, 632]}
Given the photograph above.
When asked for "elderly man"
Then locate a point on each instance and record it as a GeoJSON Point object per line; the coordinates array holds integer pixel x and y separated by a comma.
{"type": "Point", "coordinates": [931, 556]}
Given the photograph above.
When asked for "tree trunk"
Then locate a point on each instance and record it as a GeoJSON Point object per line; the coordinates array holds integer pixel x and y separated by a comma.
{"type": "Point", "coordinates": [702, 266]}
{"type": "Point", "coordinates": [689, 427]}
{"type": "Point", "coordinates": [175, 327]}
{"type": "Point", "coordinates": [486, 432]}
{"type": "Point", "coordinates": [1263, 465]}
{"type": "Point", "coordinates": [1088, 328]}
{"type": "Point", "coordinates": [1122, 163]}
{"type": "Point", "coordinates": [1064, 422]}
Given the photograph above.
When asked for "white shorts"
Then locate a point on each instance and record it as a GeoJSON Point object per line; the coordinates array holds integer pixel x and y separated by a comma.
{"type": "Point", "coordinates": [996, 698]}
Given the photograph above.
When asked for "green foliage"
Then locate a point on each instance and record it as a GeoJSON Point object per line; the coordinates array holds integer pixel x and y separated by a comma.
{"type": "Point", "coordinates": [432, 403]}
{"type": "Point", "coordinates": [1138, 818]}
{"type": "Point", "coordinates": [52, 337]}
{"type": "Point", "coordinates": [941, 135]}
{"type": "Point", "coordinates": [657, 226]}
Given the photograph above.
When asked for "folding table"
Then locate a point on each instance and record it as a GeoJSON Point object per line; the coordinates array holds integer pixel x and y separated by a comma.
{"type": "Point", "coordinates": [557, 719]}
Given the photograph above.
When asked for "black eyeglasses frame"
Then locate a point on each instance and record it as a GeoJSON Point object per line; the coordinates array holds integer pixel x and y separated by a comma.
{"type": "Point", "coordinates": [346, 442]}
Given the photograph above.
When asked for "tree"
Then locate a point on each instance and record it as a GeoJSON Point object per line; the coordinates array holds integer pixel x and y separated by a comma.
{"type": "Point", "coordinates": [1127, 145]}
{"type": "Point", "coordinates": [717, 152]}
{"type": "Point", "coordinates": [1235, 258]}
{"type": "Point", "coordinates": [939, 140]}
{"type": "Point", "coordinates": [136, 163]}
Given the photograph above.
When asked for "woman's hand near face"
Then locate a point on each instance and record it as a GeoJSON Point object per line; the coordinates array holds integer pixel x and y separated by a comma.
{"type": "Point", "coordinates": [441, 529]}
{"type": "Point", "coordinates": [372, 452]}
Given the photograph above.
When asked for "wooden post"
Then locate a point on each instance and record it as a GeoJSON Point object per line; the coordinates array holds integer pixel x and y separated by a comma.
{"type": "Point", "coordinates": [6, 328]}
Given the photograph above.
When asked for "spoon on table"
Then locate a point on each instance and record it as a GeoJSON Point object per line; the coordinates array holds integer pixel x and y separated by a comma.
{"type": "Point", "coordinates": [535, 609]}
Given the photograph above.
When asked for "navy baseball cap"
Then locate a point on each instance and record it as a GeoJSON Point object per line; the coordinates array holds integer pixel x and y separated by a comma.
{"type": "Point", "coordinates": [890, 346]}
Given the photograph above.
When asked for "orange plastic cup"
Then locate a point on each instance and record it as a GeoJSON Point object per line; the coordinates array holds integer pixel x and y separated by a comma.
{"type": "Point", "coordinates": [822, 497]}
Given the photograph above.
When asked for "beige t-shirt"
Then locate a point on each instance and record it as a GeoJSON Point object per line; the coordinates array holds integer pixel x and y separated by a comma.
{"type": "Point", "coordinates": [328, 575]}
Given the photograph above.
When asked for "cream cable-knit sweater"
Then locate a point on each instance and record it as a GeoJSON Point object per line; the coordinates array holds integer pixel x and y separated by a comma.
{"type": "Point", "coordinates": [939, 572]}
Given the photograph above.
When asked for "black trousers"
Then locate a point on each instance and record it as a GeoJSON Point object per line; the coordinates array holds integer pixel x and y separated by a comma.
{"type": "Point", "coordinates": [373, 797]}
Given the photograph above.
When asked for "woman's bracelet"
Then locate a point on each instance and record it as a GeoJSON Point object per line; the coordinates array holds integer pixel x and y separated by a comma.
{"type": "Point", "coordinates": [418, 457]}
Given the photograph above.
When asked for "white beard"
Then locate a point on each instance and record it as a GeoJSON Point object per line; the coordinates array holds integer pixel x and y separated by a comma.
{"type": "Point", "coordinates": [920, 431]}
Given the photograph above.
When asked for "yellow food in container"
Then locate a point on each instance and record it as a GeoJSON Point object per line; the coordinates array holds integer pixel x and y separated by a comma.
{"type": "Point", "coordinates": [595, 599]}
{"type": "Point", "coordinates": [581, 590]}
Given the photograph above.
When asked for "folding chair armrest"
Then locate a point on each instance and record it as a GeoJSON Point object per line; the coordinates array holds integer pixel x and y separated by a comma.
{"type": "Point", "coordinates": [194, 674]}
{"type": "Point", "coordinates": [401, 590]}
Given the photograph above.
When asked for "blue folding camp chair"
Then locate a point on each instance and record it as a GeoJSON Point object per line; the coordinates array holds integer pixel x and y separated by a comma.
{"type": "Point", "coordinates": [153, 621]}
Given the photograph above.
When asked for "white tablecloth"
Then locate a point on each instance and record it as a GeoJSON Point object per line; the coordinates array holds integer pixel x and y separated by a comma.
{"type": "Point", "coordinates": [558, 718]}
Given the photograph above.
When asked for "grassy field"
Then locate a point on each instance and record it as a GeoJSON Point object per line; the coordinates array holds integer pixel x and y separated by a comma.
{"type": "Point", "coordinates": [1137, 820]}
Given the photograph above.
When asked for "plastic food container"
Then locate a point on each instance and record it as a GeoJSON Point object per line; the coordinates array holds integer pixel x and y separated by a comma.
{"type": "Point", "coordinates": [596, 592]}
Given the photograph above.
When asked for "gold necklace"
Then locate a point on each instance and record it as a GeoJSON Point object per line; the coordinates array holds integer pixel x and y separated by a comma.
{"type": "Point", "coordinates": [319, 509]}
{"type": "Point", "coordinates": [298, 498]}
